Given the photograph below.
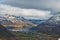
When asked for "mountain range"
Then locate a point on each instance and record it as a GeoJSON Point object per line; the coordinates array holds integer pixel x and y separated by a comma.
{"type": "Point", "coordinates": [15, 23]}
{"type": "Point", "coordinates": [50, 26]}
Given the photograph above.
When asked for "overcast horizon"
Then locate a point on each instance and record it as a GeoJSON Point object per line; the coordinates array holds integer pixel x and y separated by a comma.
{"type": "Point", "coordinates": [42, 9]}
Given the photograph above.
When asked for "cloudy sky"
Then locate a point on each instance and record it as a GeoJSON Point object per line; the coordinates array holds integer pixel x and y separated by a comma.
{"type": "Point", "coordinates": [42, 9]}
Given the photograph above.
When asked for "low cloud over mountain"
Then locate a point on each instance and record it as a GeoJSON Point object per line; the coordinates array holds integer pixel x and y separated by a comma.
{"type": "Point", "coordinates": [8, 9]}
{"type": "Point", "coordinates": [51, 5]}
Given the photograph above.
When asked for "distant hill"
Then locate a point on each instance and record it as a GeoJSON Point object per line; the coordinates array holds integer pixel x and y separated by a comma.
{"type": "Point", "coordinates": [36, 21]}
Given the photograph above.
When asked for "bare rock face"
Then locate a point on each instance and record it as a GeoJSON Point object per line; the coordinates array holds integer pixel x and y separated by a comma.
{"type": "Point", "coordinates": [5, 34]}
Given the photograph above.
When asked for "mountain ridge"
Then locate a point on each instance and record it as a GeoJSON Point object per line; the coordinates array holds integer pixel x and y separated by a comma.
{"type": "Point", "coordinates": [17, 22]}
{"type": "Point", "coordinates": [51, 26]}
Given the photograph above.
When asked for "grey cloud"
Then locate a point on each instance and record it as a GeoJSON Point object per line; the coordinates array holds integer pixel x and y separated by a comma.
{"type": "Point", "coordinates": [52, 5]}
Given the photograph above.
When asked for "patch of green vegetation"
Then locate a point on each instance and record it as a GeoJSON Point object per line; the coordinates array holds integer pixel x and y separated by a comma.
{"type": "Point", "coordinates": [23, 36]}
{"type": "Point", "coordinates": [28, 36]}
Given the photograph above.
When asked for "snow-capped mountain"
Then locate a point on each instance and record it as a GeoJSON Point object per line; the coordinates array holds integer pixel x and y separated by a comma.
{"type": "Point", "coordinates": [51, 26]}
{"type": "Point", "coordinates": [55, 19]}
{"type": "Point", "coordinates": [16, 22]}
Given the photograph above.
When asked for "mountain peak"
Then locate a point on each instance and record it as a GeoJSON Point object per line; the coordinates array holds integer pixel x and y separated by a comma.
{"type": "Point", "coordinates": [51, 26]}
{"type": "Point", "coordinates": [55, 18]}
